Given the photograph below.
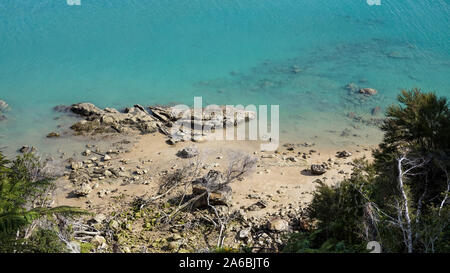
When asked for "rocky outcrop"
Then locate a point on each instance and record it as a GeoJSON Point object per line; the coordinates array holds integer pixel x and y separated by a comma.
{"type": "Point", "coordinates": [177, 124]}
{"type": "Point", "coordinates": [110, 120]}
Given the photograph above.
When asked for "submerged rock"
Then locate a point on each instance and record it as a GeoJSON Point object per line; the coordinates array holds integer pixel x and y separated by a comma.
{"type": "Point", "coordinates": [352, 87]}
{"type": "Point", "coordinates": [3, 106]}
{"type": "Point", "coordinates": [368, 91]}
{"type": "Point", "coordinates": [61, 108]}
{"type": "Point", "coordinates": [375, 111]}
{"type": "Point", "coordinates": [27, 149]}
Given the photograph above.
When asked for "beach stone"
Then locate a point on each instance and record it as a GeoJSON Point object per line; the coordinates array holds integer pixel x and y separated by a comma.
{"type": "Point", "coordinates": [53, 134]}
{"type": "Point", "coordinates": [99, 218]}
{"type": "Point", "coordinates": [27, 149]}
{"type": "Point", "coordinates": [244, 234]}
{"type": "Point", "coordinates": [343, 154]}
{"type": "Point", "coordinates": [114, 225]}
{"type": "Point", "coordinates": [318, 169]}
{"type": "Point", "coordinates": [188, 152]}
{"type": "Point", "coordinates": [368, 91]}
{"type": "Point", "coordinates": [107, 158]}
{"type": "Point", "coordinates": [76, 165]}
{"type": "Point", "coordinates": [278, 225]}
{"type": "Point", "coordinates": [83, 190]}
{"type": "Point", "coordinates": [98, 241]}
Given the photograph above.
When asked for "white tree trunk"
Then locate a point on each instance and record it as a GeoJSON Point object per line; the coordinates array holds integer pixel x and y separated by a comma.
{"type": "Point", "coordinates": [406, 209]}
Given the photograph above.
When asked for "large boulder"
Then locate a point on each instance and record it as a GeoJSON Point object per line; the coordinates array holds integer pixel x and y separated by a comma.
{"type": "Point", "coordinates": [220, 194]}
{"type": "Point", "coordinates": [86, 109]}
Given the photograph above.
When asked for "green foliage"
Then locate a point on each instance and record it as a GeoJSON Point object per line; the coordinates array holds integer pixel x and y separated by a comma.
{"type": "Point", "coordinates": [338, 209]}
{"type": "Point", "coordinates": [44, 241]}
{"type": "Point", "coordinates": [366, 206]}
{"type": "Point", "coordinates": [86, 247]}
{"type": "Point", "coordinates": [423, 122]}
{"type": "Point", "coordinates": [312, 242]}
{"type": "Point", "coordinates": [23, 195]}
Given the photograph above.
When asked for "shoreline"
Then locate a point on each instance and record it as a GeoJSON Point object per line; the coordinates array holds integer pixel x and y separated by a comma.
{"type": "Point", "coordinates": [116, 164]}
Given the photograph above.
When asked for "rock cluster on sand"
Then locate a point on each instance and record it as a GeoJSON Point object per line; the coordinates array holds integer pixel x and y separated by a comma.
{"type": "Point", "coordinates": [109, 120]}
{"type": "Point", "coordinates": [139, 119]}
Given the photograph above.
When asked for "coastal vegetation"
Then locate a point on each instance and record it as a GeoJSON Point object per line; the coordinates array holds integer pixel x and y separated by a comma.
{"type": "Point", "coordinates": [401, 199]}
{"type": "Point", "coordinates": [398, 198]}
{"type": "Point", "coordinates": [28, 223]}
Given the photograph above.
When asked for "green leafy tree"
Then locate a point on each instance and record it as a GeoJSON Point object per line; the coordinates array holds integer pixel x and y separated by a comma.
{"type": "Point", "coordinates": [24, 199]}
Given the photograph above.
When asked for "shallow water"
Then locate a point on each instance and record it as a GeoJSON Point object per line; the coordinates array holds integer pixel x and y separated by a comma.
{"type": "Point", "coordinates": [298, 54]}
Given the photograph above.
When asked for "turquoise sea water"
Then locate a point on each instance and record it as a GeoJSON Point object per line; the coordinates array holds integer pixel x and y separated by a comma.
{"type": "Point", "coordinates": [117, 53]}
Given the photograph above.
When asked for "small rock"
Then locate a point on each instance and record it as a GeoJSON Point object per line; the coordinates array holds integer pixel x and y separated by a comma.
{"type": "Point", "coordinates": [368, 91]}
{"type": "Point", "coordinates": [318, 169]}
{"type": "Point", "coordinates": [188, 152]}
{"type": "Point", "coordinates": [244, 234]}
{"type": "Point", "coordinates": [76, 165]}
{"type": "Point", "coordinates": [98, 241]}
{"type": "Point", "coordinates": [84, 190]}
{"type": "Point", "coordinates": [343, 154]}
{"type": "Point", "coordinates": [278, 225]}
{"type": "Point", "coordinates": [53, 134]}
